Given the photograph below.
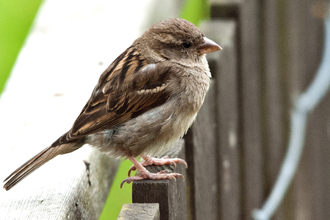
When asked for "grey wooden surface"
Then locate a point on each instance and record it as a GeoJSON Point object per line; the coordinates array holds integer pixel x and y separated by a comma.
{"type": "Point", "coordinates": [212, 141]}
{"type": "Point", "coordinates": [169, 194]}
{"type": "Point", "coordinates": [69, 46]}
{"type": "Point", "coordinates": [271, 51]}
{"type": "Point", "coordinates": [204, 170]}
{"type": "Point", "coordinates": [139, 211]}
{"type": "Point", "coordinates": [308, 192]}
{"type": "Point", "coordinates": [234, 149]}
{"type": "Point", "coordinates": [247, 14]}
{"type": "Point", "coordinates": [62, 191]}
{"type": "Point", "coordinates": [225, 74]}
{"type": "Point", "coordinates": [273, 68]}
{"type": "Point", "coordinates": [274, 130]}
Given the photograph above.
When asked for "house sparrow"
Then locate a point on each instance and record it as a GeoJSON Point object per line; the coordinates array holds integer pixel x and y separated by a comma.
{"type": "Point", "coordinates": [143, 102]}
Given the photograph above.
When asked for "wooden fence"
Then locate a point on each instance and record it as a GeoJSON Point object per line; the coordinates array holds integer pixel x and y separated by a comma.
{"type": "Point", "coordinates": [271, 51]}
{"type": "Point", "coordinates": [234, 150]}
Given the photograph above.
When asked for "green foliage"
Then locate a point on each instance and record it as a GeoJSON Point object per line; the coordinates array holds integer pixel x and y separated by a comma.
{"type": "Point", "coordinates": [16, 17]}
{"type": "Point", "coordinates": [195, 11]}
{"type": "Point", "coordinates": [117, 196]}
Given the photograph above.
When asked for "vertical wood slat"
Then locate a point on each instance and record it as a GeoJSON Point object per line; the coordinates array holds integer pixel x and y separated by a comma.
{"type": "Point", "coordinates": [272, 100]}
{"type": "Point", "coordinates": [248, 17]}
{"type": "Point", "coordinates": [249, 83]}
{"type": "Point", "coordinates": [272, 87]}
{"type": "Point", "coordinates": [295, 71]}
{"type": "Point", "coordinates": [318, 138]}
{"type": "Point", "coordinates": [170, 194]}
{"type": "Point", "coordinates": [318, 147]}
{"type": "Point", "coordinates": [201, 150]}
{"type": "Point", "coordinates": [189, 150]}
{"type": "Point", "coordinates": [277, 58]}
{"type": "Point", "coordinates": [224, 71]}
{"type": "Point", "coordinates": [247, 13]}
{"type": "Point", "coordinates": [206, 137]}
{"type": "Point", "coordinates": [317, 144]}
{"type": "Point", "coordinates": [298, 77]}
{"type": "Point", "coordinates": [204, 175]}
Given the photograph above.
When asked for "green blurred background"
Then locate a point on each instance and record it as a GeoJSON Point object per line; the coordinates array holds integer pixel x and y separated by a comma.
{"type": "Point", "coordinates": [16, 18]}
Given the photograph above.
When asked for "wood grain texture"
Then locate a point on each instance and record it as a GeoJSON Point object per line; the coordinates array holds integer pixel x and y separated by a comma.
{"type": "Point", "coordinates": [205, 159]}
{"type": "Point", "coordinates": [247, 14]}
{"type": "Point", "coordinates": [53, 78]}
{"type": "Point", "coordinates": [62, 191]}
{"type": "Point", "coordinates": [298, 75]}
{"type": "Point", "coordinates": [170, 194]}
{"type": "Point", "coordinates": [249, 84]}
{"type": "Point", "coordinates": [318, 150]}
{"type": "Point", "coordinates": [137, 211]}
{"type": "Point", "coordinates": [310, 181]}
{"type": "Point", "coordinates": [243, 126]}
{"type": "Point", "coordinates": [273, 108]}
{"type": "Point", "coordinates": [318, 132]}
{"type": "Point", "coordinates": [224, 69]}
{"type": "Point", "coordinates": [279, 48]}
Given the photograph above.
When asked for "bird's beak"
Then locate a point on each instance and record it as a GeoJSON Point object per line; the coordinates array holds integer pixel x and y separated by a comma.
{"type": "Point", "coordinates": [208, 46]}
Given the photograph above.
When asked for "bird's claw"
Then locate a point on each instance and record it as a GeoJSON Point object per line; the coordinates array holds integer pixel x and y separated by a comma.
{"type": "Point", "coordinates": [162, 175]}
{"type": "Point", "coordinates": [158, 161]}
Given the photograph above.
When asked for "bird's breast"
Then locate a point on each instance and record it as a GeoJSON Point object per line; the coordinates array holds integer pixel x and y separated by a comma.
{"type": "Point", "coordinates": [156, 130]}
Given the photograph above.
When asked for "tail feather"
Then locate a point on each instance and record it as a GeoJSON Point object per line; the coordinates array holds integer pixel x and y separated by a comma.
{"type": "Point", "coordinates": [30, 166]}
{"type": "Point", "coordinates": [58, 147]}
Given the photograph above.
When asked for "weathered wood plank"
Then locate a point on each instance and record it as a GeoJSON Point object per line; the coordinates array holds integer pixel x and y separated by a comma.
{"type": "Point", "coordinates": [136, 211]}
{"type": "Point", "coordinates": [317, 146]}
{"type": "Point", "coordinates": [190, 178]}
{"type": "Point", "coordinates": [249, 87]}
{"type": "Point", "coordinates": [288, 39]}
{"type": "Point", "coordinates": [63, 189]}
{"type": "Point", "coordinates": [205, 191]}
{"type": "Point", "coordinates": [297, 78]}
{"type": "Point", "coordinates": [224, 69]}
{"type": "Point", "coordinates": [315, 162]}
{"type": "Point", "coordinates": [272, 102]}
{"type": "Point", "coordinates": [273, 109]}
{"type": "Point", "coordinates": [170, 194]}
{"type": "Point", "coordinates": [49, 85]}
{"type": "Point", "coordinates": [225, 8]}
{"type": "Point", "coordinates": [249, 84]}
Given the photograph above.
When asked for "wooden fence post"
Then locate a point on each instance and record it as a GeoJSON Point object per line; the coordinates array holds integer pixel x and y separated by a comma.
{"type": "Point", "coordinates": [170, 194]}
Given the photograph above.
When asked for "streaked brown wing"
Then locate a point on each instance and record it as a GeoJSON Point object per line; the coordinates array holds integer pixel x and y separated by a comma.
{"type": "Point", "coordinates": [125, 90]}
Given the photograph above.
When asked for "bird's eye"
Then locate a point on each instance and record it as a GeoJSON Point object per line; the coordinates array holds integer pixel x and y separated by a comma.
{"type": "Point", "coordinates": [186, 44]}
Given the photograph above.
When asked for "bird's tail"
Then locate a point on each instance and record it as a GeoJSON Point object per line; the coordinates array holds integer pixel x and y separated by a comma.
{"type": "Point", "coordinates": [30, 166]}
{"type": "Point", "coordinates": [37, 161]}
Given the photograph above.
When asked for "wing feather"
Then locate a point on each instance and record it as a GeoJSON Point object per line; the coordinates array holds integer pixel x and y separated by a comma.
{"type": "Point", "coordinates": [128, 88]}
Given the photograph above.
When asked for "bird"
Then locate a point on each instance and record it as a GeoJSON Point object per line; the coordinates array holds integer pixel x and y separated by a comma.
{"type": "Point", "coordinates": [145, 101]}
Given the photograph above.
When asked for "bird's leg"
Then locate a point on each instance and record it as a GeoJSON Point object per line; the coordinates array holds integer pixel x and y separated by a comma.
{"type": "Point", "coordinates": [145, 174]}
{"type": "Point", "coordinates": [158, 161]}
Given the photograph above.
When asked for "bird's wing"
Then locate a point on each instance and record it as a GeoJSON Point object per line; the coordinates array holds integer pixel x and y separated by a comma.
{"type": "Point", "coordinates": [129, 87]}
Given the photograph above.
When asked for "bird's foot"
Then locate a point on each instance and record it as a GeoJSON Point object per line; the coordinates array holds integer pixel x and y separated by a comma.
{"type": "Point", "coordinates": [158, 161]}
{"type": "Point", "coordinates": [145, 174]}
